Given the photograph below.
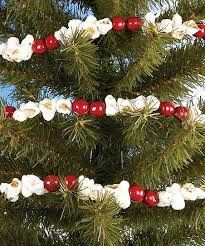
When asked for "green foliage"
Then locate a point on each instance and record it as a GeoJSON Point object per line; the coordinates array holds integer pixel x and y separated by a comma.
{"type": "Point", "coordinates": [152, 55]}
{"type": "Point", "coordinates": [184, 75]}
{"type": "Point", "coordinates": [101, 224]}
{"type": "Point", "coordinates": [81, 62]}
{"type": "Point", "coordinates": [83, 132]}
{"type": "Point", "coordinates": [168, 156]}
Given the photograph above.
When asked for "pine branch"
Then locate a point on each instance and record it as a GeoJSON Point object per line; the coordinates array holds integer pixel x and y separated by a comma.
{"type": "Point", "coordinates": [193, 9]}
{"type": "Point", "coordinates": [151, 57]}
{"type": "Point", "coordinates": [164, 158]}
{"type": "Point", "coordinates": [37, 143]}
{"type": "Point", "coordinates": [175, 76]}
{"type": "Point", "coordinates": [101, 224]}
{"type": "Point", "coordinates": [81, 63]}
{"type": "Point", "coordinates": [82, 132]}
{"type": "Point", "coordinates": [27, 16]}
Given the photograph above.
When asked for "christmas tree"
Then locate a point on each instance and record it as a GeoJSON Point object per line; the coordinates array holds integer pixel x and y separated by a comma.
{"type": "Point", "coordinates": [99, 146]}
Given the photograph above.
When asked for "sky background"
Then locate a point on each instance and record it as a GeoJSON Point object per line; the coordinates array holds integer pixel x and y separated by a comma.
{"type": "Point", "coordinates": [5, 94]}
{"type": "Point", "coordinates": [197, 93]}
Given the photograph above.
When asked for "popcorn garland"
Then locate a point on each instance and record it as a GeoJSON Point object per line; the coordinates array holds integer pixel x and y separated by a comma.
{"type": "Point", "coordinates": [15, 51]}
{"type": "Point", "coordinates": [140, 106]}
{"type": "Point", "coordinates": [174, 195]}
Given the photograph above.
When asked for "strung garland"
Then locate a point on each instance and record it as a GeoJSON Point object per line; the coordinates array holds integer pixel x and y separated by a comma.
{"type": "Point", "coordinates": [15, 51]}
{"type": "Point", "coordinates": [141, 107]}
{"type": "Point", "coordinates": [174, 195]}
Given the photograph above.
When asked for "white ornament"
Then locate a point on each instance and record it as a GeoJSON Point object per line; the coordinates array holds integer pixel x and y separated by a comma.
{"type": "Point", "coordinates": [63, 106]}
{"type": "Point", "coordinates": [20, 115]}
{"type": "Point", "coordinates": [150, 18]}
{"type": "Point", "coordinates": [12, 54]}
{"type": "Point", "coordinates": [28, 40]}
{"type": "Point", "coordinates": [111, 106]}
{"type": "Point", "coordinates": [121, 193]}
{"type": "Point", "coordinates": [11, 190]}
{"type": "Point", "coordinates": [195, 115]}
{"type": "Point", "coordinates": [176, 27]}
{"type": "Point", "coordinates": [104, 26]}
{"type": "Point", "coordinates": [152, 103]}
{"type": "Point", "coordinates": [12, 43]}
{"type": "Point", "coordinates": [91, 19]}
{"type": "Point", "coordinates": [73, 27]}
{"type": "Point", "coordinates": [165, 26]}
{"type": "Point", "coordinates": [14, 51]}
{"type": "Point", "coordinates": [90, 29]}
{"type": "Point", "coordinates": [177, 201]}
{"type": "Point", "coordinates": [97, 192]}
{"type": "Point", "coordinates": [32, 184]}
{"type": "Point", "coordinates": [85, 187]}
{"type": "Point", "coordinates": [124, 105]}
{"type": "Point", "coordinates": [48, 109]}
{"type": "Point", "coordinates": [25, 53]}
{"type": "Point", "coordinates": [61, 34]}
{"type": "Point", "coordinates": [3, 187]}
{"type": "Point", "coordinates": [200, 193]}
{"type": "Point", "coordinates": [181, 29]}
{"type": "Point", "coordinates": [189, 192]}
{"type": "Point", "coordinates": [31, 109]}
{"type": "Point", "coordinates": [65, 34]}
{"type": "Point", "coordinates": [165, 199]}
{"type": "Point", "coordinates": [138, 103]}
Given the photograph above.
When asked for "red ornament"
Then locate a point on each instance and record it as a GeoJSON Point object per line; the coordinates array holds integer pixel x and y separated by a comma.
{"type": "Point", "coordinates": [151, 198]}
{"type": "Point", "coordinates": [9, 111]}
{"type": "Point", "coordinates": [51, 183]}
{"type": "Point", "coordinates": [80, 107]}
{"type": "Point", "coordinates": [118, 23]}
{"type": "Point", "coordinates": [134, 23]}
{"type": "Point", "coordinates": [181, 113]}
{"type": "Point", "coordinates": [136, 193]}
{"type": "Point", "coordinates": [201, 32]}
{"type": "Point", "coordinates": [51, 42]}
{"type": "Point", "coordinates": [97, 109]}
{"type": "Point", "coordinates": [39, 46]}
{"type": "Point", "coordinates": [167, 109]}
{"type": "Point", "coordinates": [71, 181]}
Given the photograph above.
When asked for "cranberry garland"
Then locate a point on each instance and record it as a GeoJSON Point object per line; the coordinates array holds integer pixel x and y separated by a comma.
{"type": "Point", "coordinates": [40, 46]}
{"type": "Point", "coordinates": [167, 109]}
{"type": "Point", "coordinates": [137, 192]}
{"type": "Point", "coordinates": [201, 32]}
{"type": "Point", "coordinates": [9, 111]}
{"type": "Point", "coordinates": [81, 107]}
{"type": "Point", "coordinates": [86, 189]}
{"type": "Point", "coordinates": [14, 50]}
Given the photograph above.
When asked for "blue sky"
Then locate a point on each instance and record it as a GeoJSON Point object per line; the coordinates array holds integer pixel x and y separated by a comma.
{"type": "Point", "coordinates": [4, 93]}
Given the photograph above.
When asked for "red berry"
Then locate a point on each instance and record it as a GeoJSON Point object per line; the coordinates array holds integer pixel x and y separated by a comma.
{"type": "Point", "coordinates": [51, 42]}
{"type": "Point", "coordinates": [51, 183]}
{"type": "Point", "coordinates": [167, 109]}
{"type": "Point", "coordinates": [136, 193]}
{"type": "Point", "coordinates": [80, 107]}
{"type": "Point", "coordinates": [97, 109]}
{"type": "Point", "coordinates": [71, 181]}
{"type": "Point", "coordinates": [9, 111]}
{"type": "Point", "coordinates": [134, 23]}
{"type": "Point", "coordinates": [118, 23]}
{"type": "Point", "coordinates": [181, 113]}
{"type": "Point", "coordinates": [39, 46]}
{"type": "Point", "coordinates": [151, 198]}
{"type": "Point", "coordinates": [201, 32]}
